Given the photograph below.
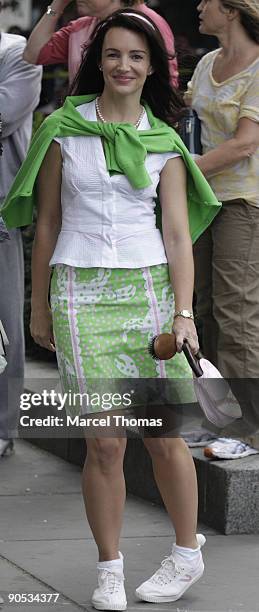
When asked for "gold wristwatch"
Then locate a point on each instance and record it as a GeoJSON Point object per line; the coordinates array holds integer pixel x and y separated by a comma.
{"type": "Point", "coordinates": [50, 11]}
{"type": "Point", "coordinates": [186, 314]}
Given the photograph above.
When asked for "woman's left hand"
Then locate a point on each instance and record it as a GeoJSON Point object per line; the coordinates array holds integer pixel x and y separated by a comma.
{"type": "Point", "coordinates": [184, 329]}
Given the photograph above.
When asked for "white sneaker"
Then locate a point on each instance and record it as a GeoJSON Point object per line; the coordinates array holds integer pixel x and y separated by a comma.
{"type": "Point", "coordinates": [200, 539]}
{"type": "Point", "coordinates": [6, 447]}
{"type": "Point", "coordinates": [198, 438]}
{"type": "Point", "coordinates": [171, 580]}
{"type": "Point", "coordinates": [226, 448]}
{"type": "Point", "coordinates": [110, 593]}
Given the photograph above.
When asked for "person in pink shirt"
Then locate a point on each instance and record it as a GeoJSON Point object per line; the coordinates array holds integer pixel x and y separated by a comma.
{"type": "Point", "coordinates": [47, 46]}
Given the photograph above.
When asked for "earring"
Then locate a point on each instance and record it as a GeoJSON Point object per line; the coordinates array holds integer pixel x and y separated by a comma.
{"type": "Point", "coordinates": [100, 68]}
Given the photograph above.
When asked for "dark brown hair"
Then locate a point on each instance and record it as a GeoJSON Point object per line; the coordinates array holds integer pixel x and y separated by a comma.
{"type": "Point", "coordinates": [126, 3]}
{"type": "Point", "coordinates": [164, 100]}
{"type": "Point", "coordinates": [133, 3]}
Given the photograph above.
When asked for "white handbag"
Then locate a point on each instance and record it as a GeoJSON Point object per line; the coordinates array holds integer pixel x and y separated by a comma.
{"type": "Point", "coordinates": [213, 392]}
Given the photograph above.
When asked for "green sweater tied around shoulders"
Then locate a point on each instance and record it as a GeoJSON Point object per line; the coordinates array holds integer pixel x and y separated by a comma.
{"type": "Point", "coordinates": [125, 152]}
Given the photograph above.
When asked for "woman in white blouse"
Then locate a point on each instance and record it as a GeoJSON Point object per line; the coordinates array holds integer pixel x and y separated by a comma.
{"type": "Point", "coordinates": [111, 290]}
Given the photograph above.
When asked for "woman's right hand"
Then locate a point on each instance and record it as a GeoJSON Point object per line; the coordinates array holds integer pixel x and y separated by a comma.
{"type": "Point", "coordinates": [184, 329]}
{"type": "Point", "coordinates": [41, 328]}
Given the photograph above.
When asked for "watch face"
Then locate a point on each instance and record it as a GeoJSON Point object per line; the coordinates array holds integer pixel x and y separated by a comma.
{"type": "Point", "coordinates": [187, 314]}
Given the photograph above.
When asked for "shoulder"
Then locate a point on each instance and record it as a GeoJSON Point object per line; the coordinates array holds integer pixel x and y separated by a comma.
{"type": "Point", "coordinates": [253, 69]}
{"type": "Point", "coordinates": [69, 110]}
{"type": "Point", "coordinates": [11, 45]}
{"type": "Point", "coordinates": [87, 110]}
{"type": "Point", "coordinates": [203, 67]}
{"type": "Point", "coordinates": [12, 62]}
{"type": "Point", "coordinates": [207, 60]}
{"type": "Point", "coordinates": [160, 22]}
{"type": "Point", "coordinates": [249, 89]}
{"type": "Point", "coordinates": [83, 23]}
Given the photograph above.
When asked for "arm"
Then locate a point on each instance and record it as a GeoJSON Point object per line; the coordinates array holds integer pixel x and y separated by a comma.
{"type": "Point", "coordinates": [192, 84]}
{"type": "Point", "coordinates": [178, 246]}
{"type": "Point", "coordinates": [243, 144]}
{"type": "Point", "coordinates": [19, 90]}
{"type": "Point", "coordinates": [43, 31]}
{"type": "Point", "coordinates": [47, 230]}
{"type": "Point", "coordinates": [188, 94]}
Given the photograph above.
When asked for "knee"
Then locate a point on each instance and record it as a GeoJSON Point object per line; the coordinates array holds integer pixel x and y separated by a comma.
{"type": "Point", "coordinates": [164, 448]}
{"type": "Point", "coordinates": [106, 453]}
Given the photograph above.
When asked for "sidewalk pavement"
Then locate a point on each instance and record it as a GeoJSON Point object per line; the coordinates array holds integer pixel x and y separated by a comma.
{"type": "Point", "coordinates": [46, 545]}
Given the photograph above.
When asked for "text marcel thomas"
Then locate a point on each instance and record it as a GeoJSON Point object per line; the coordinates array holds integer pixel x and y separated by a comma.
{"type": "Point", "coordinates": [105, 402]}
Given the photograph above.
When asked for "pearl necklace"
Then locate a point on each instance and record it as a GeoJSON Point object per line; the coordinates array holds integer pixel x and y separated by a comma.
{"type": "Point", "coordinates": [136, 125]}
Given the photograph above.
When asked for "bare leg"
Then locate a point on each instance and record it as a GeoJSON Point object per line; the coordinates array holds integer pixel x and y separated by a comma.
{"type": "Point", "coordinates": [175, 476]}
{"type": "Point", "coordinates": [104, 493]}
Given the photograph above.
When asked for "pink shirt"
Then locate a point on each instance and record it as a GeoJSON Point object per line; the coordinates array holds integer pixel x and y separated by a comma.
{"type": "Point", "coordinates": [65, 45]}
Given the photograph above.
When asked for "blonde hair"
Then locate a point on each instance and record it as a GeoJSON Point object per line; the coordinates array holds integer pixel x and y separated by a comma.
{"type": "Point", "coordinates": [249, 15]}
{"type": "Point", "coordinates": [250, 7]}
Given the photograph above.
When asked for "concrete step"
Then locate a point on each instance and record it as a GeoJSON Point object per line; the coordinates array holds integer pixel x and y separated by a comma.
{"type": "Point", "coordinates": [228, 490]}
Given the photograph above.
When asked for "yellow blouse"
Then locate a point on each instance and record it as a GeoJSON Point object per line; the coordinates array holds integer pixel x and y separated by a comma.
{"type": "Point", "coordinates": [219, 107]}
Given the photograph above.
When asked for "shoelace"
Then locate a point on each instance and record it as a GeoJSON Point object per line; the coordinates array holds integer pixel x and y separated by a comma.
{"type": "Point", "coordinates": [111, 582]}
{"type": "Point", "coordinates": [167, 572]}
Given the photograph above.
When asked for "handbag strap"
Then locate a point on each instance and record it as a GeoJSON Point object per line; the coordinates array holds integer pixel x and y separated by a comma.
{"type": "Point", "coordinates": [193, 360]}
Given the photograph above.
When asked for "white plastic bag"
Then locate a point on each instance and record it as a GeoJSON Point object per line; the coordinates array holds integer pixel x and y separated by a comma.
{"type": "Point", "coordinates": [3, 343]}
{"type": "Point", "coordinates": [213, 392]}
{"type": "Point", "coordinates": [3, 364]}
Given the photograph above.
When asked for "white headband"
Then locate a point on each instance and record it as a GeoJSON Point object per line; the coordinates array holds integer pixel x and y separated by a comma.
{"type": "Point", "coordinates": [140, 17]}
{"type": "Point", "coordinates": [111, 17]}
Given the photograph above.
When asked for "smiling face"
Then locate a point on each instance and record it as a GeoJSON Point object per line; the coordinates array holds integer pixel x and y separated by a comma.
{"type": "Point", "coordinates": [125, 61]}
{"type": "Point", "coordinates": [97, 8]}
{"type": "Point", "coordinates": [213, 17]}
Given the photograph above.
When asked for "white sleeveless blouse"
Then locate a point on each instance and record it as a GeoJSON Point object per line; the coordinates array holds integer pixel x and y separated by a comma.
{"type": "Point", "coordinates": [105, 221]}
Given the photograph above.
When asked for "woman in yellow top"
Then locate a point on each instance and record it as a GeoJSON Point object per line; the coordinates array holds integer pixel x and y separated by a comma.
{"type": "Point", "coordinates": [224, 91]}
